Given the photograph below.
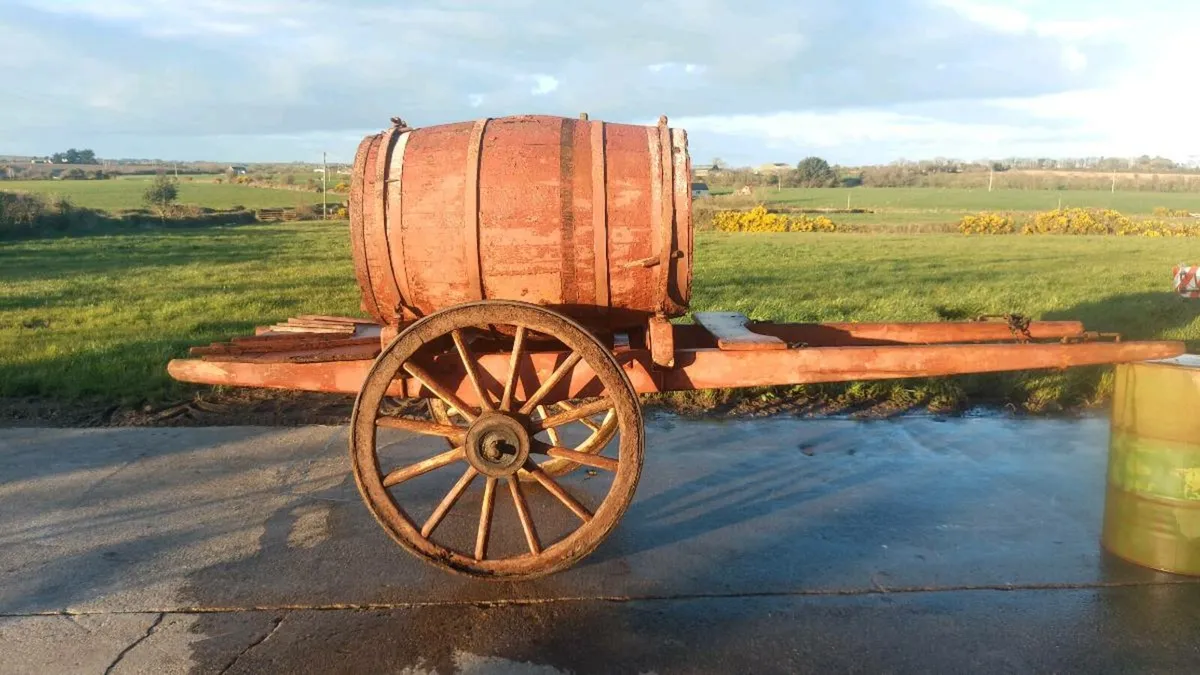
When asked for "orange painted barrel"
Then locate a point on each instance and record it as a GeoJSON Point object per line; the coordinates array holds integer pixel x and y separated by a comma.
{"type": "Point", "coordinates": [587, 217]}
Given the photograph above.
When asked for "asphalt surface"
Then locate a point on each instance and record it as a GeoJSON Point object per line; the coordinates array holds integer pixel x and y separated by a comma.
{"type": "Point", "coordinates": [781, 545]}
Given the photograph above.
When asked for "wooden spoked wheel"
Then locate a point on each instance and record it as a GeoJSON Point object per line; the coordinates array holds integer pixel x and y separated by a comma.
{"type": "Point", "coordinates": [448, 506]}
{"type": "Point", "coordinates": [600, 431]}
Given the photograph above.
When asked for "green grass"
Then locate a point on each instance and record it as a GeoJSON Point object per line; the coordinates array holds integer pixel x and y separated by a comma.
{"type": "Point", "coordinates": [963, 200]}
{"type": "Point", "coordinates": [99, 317]}
{"type": "Point", "coordinates": [126, 193]}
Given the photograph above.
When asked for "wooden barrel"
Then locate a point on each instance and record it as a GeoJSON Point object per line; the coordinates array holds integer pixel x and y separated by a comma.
{"type": "Point", "coordinates": [587, 217]}
{"type": "Point", "coordinates": [1152, 505]}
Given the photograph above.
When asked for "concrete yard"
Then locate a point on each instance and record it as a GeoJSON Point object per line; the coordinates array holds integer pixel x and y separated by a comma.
{"type": "Point", "coordinates": [777, 545]}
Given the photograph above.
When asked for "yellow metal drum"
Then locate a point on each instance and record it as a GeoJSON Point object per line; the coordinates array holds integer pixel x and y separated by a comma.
{"type": "Point", "coordinates": [1152, 504]}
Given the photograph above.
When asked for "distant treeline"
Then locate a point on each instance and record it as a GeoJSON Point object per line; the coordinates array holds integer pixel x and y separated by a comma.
{"type": "Point", "coordinates": [25, 215]}
{"type": "Point", "coordinates": [949, 174]}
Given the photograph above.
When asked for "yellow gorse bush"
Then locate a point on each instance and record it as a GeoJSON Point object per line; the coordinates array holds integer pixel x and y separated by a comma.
{"type": "Point", "coordinates": [987, 223]}
{"type": "Point", "coordinates": [1164, 212]}
{"type": "Point", "coordinates": [1077, 221]}
{"type": "Point", "coordinates": [759, 219]}
{"type": "Point", "coordinates": [1158, 228]}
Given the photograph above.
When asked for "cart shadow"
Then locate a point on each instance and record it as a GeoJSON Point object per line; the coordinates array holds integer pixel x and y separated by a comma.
{"type": "Point", "coordinates": [269, 538]}
{"type": "Point", "coordinates": [1136, 316]}
{"type": "Point", "coordinates": [746, 489]}
{"type": "Point", "coordinates": [334, 594]}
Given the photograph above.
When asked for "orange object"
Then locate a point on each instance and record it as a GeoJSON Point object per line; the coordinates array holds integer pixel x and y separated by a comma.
{"type": "Point", "coordinates": [704, 368]}
{"type": "Point", "coordinates": [587, 217]}
{"type": "Point", "coordinates": [1184, 278]}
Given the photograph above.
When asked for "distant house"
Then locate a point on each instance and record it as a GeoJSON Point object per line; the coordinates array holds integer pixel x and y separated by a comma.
{"type": "Point", "coordinates": [699, 190]}
{"type": "Point", "coordinates": [238, 169]}
{"type": "Point", "coordinates": [773, 168]}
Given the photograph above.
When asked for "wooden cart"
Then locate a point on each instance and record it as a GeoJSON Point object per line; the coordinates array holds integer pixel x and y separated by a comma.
{"type": "Point", "coordinates": [521, 274]}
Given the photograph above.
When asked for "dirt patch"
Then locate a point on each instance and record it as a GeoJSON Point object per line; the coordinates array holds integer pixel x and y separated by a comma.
{"type": "Point", "coordinates": [232, 408]}
{"type": "Point", "coordinates": [267, 407]}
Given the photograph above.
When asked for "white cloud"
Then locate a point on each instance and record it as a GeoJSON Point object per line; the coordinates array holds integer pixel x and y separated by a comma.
{"type": "Point", "coordinates": [871, 80]}
{"type": "Point", "coordinates": [998, 17]}
{"type": "Point", "coordinates": [670, 67]}
{"type": "Point", "coordinates": [543, 84]}
{"type": "Point", "coordinates": [1009, 19]}
{"type": "Point", "coordinates": [1073, 59]}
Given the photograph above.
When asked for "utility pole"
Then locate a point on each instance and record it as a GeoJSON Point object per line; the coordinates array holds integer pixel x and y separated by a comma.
{"type": "Point", "coordinates": [1114, 184]}
{"type": "Point", "coordinates": [991, 175]}
{"type": "Point", "coordinates": [324, 183]}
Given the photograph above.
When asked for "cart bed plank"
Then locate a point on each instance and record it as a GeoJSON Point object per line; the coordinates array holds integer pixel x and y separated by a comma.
{"type": "Point", "coordinates": [732, 334]}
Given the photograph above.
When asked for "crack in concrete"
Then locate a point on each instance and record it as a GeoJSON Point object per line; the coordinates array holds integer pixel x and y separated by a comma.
{"type": "Point", "coordinates": [278, 621]}
{"type": "Point", "coordinates": [521, 602]}
{"type": "Point", "coordinates": [112, 474]}
{"type": "Point", "coordinates": [149, 631]}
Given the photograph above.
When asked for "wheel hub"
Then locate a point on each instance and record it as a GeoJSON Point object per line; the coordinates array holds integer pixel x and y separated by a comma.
{"type": "Point", "coordinates": [497, 445]}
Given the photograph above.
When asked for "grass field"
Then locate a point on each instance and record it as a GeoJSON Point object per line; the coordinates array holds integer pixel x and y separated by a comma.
{"type": "Point", "coordinates": [98, 317]}
{"type": "Point", "coordinates": [126, 193]}
{"type": "Point", "coordinates": [951, 199]}
{"type": "Point", "coordinates": [945, 206]}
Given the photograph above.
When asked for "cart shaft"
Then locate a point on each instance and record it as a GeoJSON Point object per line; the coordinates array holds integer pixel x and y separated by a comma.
{"type": "Point", "coordinates": [702, 368]}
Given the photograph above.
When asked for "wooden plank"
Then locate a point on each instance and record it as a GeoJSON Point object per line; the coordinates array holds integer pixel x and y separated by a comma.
{"type": "Point", "coordinates": [732, 335]}
{"type": "Point", "coordinates": [336, 319]}
{"type": "Point", "coordinates": [694, 369]}
{"type": "Point", "coordinates": [331, 329]}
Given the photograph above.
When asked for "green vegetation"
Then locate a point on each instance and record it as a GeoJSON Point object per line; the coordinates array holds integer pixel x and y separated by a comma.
{"type": "Point", "coordinates": [815, 172]}
{"type": "Point", "coordinates": [99, 317]}
{"type": "Point", "coordinates": [957, 200]}
{"type": "Point", "coordinates": [126, 193]}
{"type": "Point", "coordinates": [941, 209]}
{"type": "Point", "coordinates": [161, 194]}
{"type": "Point", "coordinates": [1110, 283]}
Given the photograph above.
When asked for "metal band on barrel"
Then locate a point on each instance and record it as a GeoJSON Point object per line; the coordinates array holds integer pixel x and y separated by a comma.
{"type": "Point", "coordinates": [666, 242]}
{"type": "Point", "coordinates": [357, 240]}
{"type": "Point", "coordinates": [471, 211]}
{"type": "Point", "coordinates": [395, 225]}
{"type": "Point", "coordinates": [379, 268]}
{"type": "Point", "coordinates": [656, 206]}
{"type": "Point", "coordinates": [683, 216]}
{"type": "Point", "coordinates": [600, 215]}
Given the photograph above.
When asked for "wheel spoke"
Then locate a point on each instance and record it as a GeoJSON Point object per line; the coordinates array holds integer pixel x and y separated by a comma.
{"type": "Point", "coordinates": [555, 377]}
{"type": "Point", "coordinates": [557, 490]}
{"type": "Point", "coordinates": [448, 501]}
{"type": "Point", "coordinates": [423, 467]}
{"type": "Point", "coordinates": [485, 518]}
{"type": "Point", "coordinates": [469, 364]}
{"type": "Point", "coordinates": [440, 414]}
{"type": "Point", "coordinates": [550, 431]}
{"type": "Point", "coordinates": [587, 422]}
{"type": "Point", "coordinates": [513, 362]}
{"type": "Point", "coordinates": [514, 487]}
{"type": "Point", "coordinates": [596, 461]}
{"type": "Point", "coordinates": [441, 392]}
{"type": "Point", "coordinates": [578, 413]}
{"type": "Point", "coordinates": [455, 435]}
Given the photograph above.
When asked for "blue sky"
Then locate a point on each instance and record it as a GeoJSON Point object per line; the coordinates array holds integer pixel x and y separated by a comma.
{"type": "Point", "coordinates": [752, 81]}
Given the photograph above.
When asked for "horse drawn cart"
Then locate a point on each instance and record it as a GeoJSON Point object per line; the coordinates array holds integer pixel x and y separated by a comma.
{"type": "Point", "coordinates": [521, 274]}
